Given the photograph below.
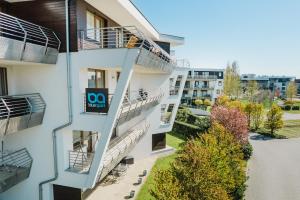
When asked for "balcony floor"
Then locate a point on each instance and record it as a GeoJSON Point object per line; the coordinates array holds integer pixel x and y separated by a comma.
{"type": "Point", "coordinates": [11, 175]}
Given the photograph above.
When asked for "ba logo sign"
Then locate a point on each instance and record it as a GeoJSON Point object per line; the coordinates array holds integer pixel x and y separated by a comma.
{"type": "Point", "coordinates": [96, 100]}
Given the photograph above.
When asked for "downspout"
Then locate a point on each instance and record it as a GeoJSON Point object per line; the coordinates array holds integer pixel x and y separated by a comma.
{"type": "Point", "coordinates": [69, 86]}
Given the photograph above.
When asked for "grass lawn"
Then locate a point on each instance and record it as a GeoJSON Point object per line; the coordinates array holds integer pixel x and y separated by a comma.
{"type": "Point", "coordinates": [291, 129]}
{"type": "Point", "coordinates": [162, 163]}
{"type": "Point", "coordinates": [292, 111]}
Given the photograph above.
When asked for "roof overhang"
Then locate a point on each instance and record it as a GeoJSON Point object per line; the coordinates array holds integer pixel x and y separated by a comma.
{"type": "Point", "coordinates": [125, 13]}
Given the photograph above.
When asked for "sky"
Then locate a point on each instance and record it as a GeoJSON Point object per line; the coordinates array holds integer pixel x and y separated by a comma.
{"type": "Point", "coordinates": [263, 36]}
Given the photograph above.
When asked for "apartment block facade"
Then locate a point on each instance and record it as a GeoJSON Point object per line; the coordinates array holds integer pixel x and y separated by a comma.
{"type": "Point", "coordinates": [84, 84]}
{"type": "Point", "coordinates": [203, 84]}
{"type": "Point", "coordinates": [273, 83]}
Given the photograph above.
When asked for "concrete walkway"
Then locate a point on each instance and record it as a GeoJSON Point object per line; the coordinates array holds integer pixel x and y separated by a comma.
{"type": "Point", "coordinates": [274, 169]}
{"type": "Point", "coordinates": [121, 189]}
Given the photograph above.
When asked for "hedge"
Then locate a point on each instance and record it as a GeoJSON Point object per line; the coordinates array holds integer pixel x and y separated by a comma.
{"type": "Point", "coordinates": [296, 108]}
{"type": "Point", "coordinates": [185, 129]}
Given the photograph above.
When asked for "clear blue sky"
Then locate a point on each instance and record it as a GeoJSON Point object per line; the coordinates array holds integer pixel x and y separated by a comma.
{"type": "Point", "coordinates": [262, 35]}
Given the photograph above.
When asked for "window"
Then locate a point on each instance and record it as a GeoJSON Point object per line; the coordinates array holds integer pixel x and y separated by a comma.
{"type": "Point", "coordinates": [93, 25]}
{"type": "Point", "coordinates": [220, 83]}
{"type": "Point", "coordinates": [96, 78]}
{"type": "Point", "coordinates": [218, 91]}
{"type": "Point", "coordinates": [84, 141]}
{"type": "Point", "coordinates": [158, 141]}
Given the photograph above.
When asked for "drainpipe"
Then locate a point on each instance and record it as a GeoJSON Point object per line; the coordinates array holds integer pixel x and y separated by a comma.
{"type": "Point", "coordinates": [69, 85]}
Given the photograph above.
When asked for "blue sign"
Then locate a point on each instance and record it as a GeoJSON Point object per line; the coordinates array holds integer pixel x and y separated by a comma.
{"type": "Point", "coordinates": [96, 100]}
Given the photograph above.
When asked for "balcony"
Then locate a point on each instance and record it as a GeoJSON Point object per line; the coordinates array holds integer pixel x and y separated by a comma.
{"type": "Point", "coordinates": [204, 87]}
{"type": "Point", "coordinates": [14, 168]}
{"type": "Point", "coordinates": [205, 77]}
{"type": "Point", "coordinates": [27, 42]}
{"type": "Point", "coordinates": [174, 91]}
{"type": "Point", "coordinates": [19, 112]}
{"type": "Point", "coordinates": [119, 147]}
{"type": "Point", "coordinates": [151, 55]}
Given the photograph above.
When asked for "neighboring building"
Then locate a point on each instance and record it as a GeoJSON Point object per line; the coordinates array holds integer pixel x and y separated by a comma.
{"type": "Point", "coordinates": [297, 81]}
{"type": "Point", "coordinates": [273, 83]}
{"type": "Point", "coordinates": [203, 84]}
{"type": "Point", "coordinates": [69, 117]}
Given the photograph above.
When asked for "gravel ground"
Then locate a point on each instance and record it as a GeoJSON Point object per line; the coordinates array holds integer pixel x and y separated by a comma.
{"type": "Point", "coordinates": [274, 169]}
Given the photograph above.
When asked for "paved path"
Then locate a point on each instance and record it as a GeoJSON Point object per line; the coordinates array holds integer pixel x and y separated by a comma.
{"type": "Point", "coordinates": [274, 169]}
{"type": "Point", "coordinates": [289, 116]}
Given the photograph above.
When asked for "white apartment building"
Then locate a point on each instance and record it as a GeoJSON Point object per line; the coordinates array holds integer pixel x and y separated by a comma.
{"type": "Point", "coordinates": [84, 84]}
{"type": "Point", "coordinates": [203, 84]}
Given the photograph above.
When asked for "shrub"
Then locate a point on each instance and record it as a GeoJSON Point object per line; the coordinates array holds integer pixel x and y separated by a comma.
{"type": "Point", "coordinates": [182, 114]}
{"type": "Point", "coordinates": [287, 107]}
{"type": "Point", "coordinates": [247, 150]}
{"type": "Point", "coordinates": [198, 102]}
{"type": "Point", "coordinates": [207, 102]}
{"type": "Point", "coordinates": [185, 129]}
{"type": "Point", "coordinates": [296, 108]}
{"type": "Point", "coordinates": [233, 120]}
{"type": "Point", "coordinates": [274, 119]}
{"type": "Point", "coordinates": [222, 100]}
{"type": "Point", "coordinates": [257, 116]}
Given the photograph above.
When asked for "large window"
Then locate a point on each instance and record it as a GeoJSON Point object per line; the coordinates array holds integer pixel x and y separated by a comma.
{"type": "Point", "coordinates": [96, 78]}
{"type": "Point", "coordinates": [93, 25]}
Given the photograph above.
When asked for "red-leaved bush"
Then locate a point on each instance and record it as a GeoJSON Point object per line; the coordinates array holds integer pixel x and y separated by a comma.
{"type": "Point", "coordinates": [233, 120]}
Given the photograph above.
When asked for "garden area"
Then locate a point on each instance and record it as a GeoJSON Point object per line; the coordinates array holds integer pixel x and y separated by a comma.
{"type": "Point", "coordinates": [210, 158]}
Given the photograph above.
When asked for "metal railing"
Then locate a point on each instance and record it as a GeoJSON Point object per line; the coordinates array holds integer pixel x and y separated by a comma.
{"type": "Point", "coordinates": [80, 161]}
{"type": "Point", "coordinates": [119, 148]}
{"type": "Point", "coordinates": [18, 112]}
{"type": "Point", "coordinates": [151, 54]}
{"type": "Point", "coordinates": [133, 107]}
{"type": "Point", "coordinates": [205, 77]}
{"type": "Point", "coordinates": [13, 29]}
{"type": "Point", "coordinates": [166, 118]}
{"type": "Point", "coordinates": [14, 168]}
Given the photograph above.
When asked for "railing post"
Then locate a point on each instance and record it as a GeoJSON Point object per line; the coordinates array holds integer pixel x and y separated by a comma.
{"type": "Point", "coordinates": [47, 39]}
{"type": "Point", "coordinates": [8, 116]}
{"type": "Point", "coordinates": [25, 38]}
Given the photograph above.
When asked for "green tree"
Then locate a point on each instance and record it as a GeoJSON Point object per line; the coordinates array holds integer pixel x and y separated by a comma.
{"type": "Point", "coordinates": [257, 116]}
{"type": "Point", "coordinates": [291, 90]}
{"type": "Point", "coordinates": [274, 119]}
{"type": "Point", "coordinates": [232, 83]}
{"type": "Point", "coordinates": [248, 110]}
{"type": "Point", "coordinates": [252, 90]}
{"type": "Point", "coordinates": [209, 167]}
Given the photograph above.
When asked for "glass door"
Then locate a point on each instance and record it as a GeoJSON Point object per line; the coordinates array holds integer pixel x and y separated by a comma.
{"type": "Point", "coordinates": [3, 82]}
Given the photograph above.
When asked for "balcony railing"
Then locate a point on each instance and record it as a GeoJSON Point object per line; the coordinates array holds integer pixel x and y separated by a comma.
{"type": "Point", "coordinates": [174, 91]}
{"type": "Point", "coordinates": [205, 77]}
{"type": "Point", "coordinates": [166, 118]}
{"type": "Point", "coordinates": [14, 168]}
{"type": "Point", "coordinates": [151, 54]}
{"type": "Point", "coordinates": [24, 41]}
{"type": "Point", "coordinates": [119, 147]}
{"type": "Point", "coordinates": [19, 112]}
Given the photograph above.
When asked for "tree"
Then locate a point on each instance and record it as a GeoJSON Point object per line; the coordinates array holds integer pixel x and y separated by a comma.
{"type": "Point", "coordinates": [252, 90]}
{"type": "Point", "coordinates": [291, 90]}
{"type": "Point", "coordinates": [274, 119]}
{"type": "Point", "coordinates": [232, 83]}
{"type": "Point", "coordinates": [233, 120]}
{"type": "Point", "coordinates": [222, 100]}
{"type": "Point", "coordinates": [208, 168]}
{"type": "Point", "coordinates": [248, 111]}
{"type": "Point", "coordinates": [257, 116]}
